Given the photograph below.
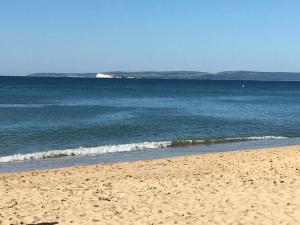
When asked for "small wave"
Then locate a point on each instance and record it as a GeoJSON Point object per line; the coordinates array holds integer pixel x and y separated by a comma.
{"type": "Point", "coordinates": [43, 105]}
{"type": "Point", "coordinates": [22, 105]}
{"type": "Point", "coordinates": [182, 143]}
{"type": "Point", "coordinates": [85, 151]}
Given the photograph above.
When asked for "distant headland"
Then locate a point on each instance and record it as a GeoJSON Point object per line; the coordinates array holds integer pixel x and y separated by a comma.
{"type": "Point", "coordinates": [225, 75]}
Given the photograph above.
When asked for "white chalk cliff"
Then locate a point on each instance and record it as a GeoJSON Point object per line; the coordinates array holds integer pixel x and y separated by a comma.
{"type": "Point", "coordinates": [101, 75]}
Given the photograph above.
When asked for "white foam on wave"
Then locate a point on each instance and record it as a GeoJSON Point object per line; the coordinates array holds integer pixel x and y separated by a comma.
{"type": "Point", "coordinates": [86, 151]}
{"type": "Point", "coordinates": [187, 142]}
{"type": "Point", "coordinates": [257, 138]}
{"type": "Point", "coordinates": [142, 146]}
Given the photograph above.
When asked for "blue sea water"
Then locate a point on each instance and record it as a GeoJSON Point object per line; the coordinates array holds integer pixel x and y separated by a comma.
{"type": "Point", "coordinates": [54, 117]}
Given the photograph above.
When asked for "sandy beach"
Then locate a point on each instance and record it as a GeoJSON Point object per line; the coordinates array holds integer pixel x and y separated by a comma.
{"type": "Point", "coordinates": [242, 187]}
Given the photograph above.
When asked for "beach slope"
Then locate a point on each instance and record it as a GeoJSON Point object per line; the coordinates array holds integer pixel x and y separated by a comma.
{"type": "Point", "coordinates": [242, 187]}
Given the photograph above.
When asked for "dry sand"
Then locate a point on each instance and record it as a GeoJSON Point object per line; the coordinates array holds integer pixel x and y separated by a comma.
{"type": "Point", "coordinates": [243, 187]}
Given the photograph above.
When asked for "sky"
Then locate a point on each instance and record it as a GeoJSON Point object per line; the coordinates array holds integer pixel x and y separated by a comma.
{"type": "Point", "coordinates": [138, 35]}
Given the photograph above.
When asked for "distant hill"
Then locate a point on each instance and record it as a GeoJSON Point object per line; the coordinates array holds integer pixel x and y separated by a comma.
{"type": "Point", "coordinates": [121, 74]}
{"type": "Point", "coordinates": [161, 74]}
{"type": "Point", "coordinates": [226, 75]}
{"type": "Point", "coordinates": [80, 75]}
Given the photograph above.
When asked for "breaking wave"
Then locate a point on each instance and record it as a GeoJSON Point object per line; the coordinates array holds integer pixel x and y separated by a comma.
{"type": "Point", "coordinates": [143, 146]}
{"type": "Point", "coordinates": [85, 151]}
{"type": "Point", "coordinates": [182, 143]}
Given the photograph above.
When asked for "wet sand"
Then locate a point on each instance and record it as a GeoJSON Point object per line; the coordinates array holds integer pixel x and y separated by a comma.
{"type": "Point", "coordinates": [242, 187]}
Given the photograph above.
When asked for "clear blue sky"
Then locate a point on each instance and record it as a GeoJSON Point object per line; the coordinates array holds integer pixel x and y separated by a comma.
{"type": "Point", "coordinates": [91, 36]}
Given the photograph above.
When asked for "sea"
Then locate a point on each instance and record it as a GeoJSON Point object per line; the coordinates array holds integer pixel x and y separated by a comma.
{"type": "Point", "coordinates": [58, 122]}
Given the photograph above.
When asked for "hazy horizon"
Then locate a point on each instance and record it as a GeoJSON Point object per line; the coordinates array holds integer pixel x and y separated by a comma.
{"type": "Point", "coordinates": [152, 71]}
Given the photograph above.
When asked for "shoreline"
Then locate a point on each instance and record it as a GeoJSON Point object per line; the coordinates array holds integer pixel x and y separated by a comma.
{"type": "Point", "coordinates": [149, 154]}
{"type": "Point", "coordinates": [259, 186]}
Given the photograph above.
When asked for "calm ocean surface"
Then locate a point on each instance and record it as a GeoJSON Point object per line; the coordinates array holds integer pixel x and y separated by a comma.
{"type": "Point", "coordinates": [42, 118]}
